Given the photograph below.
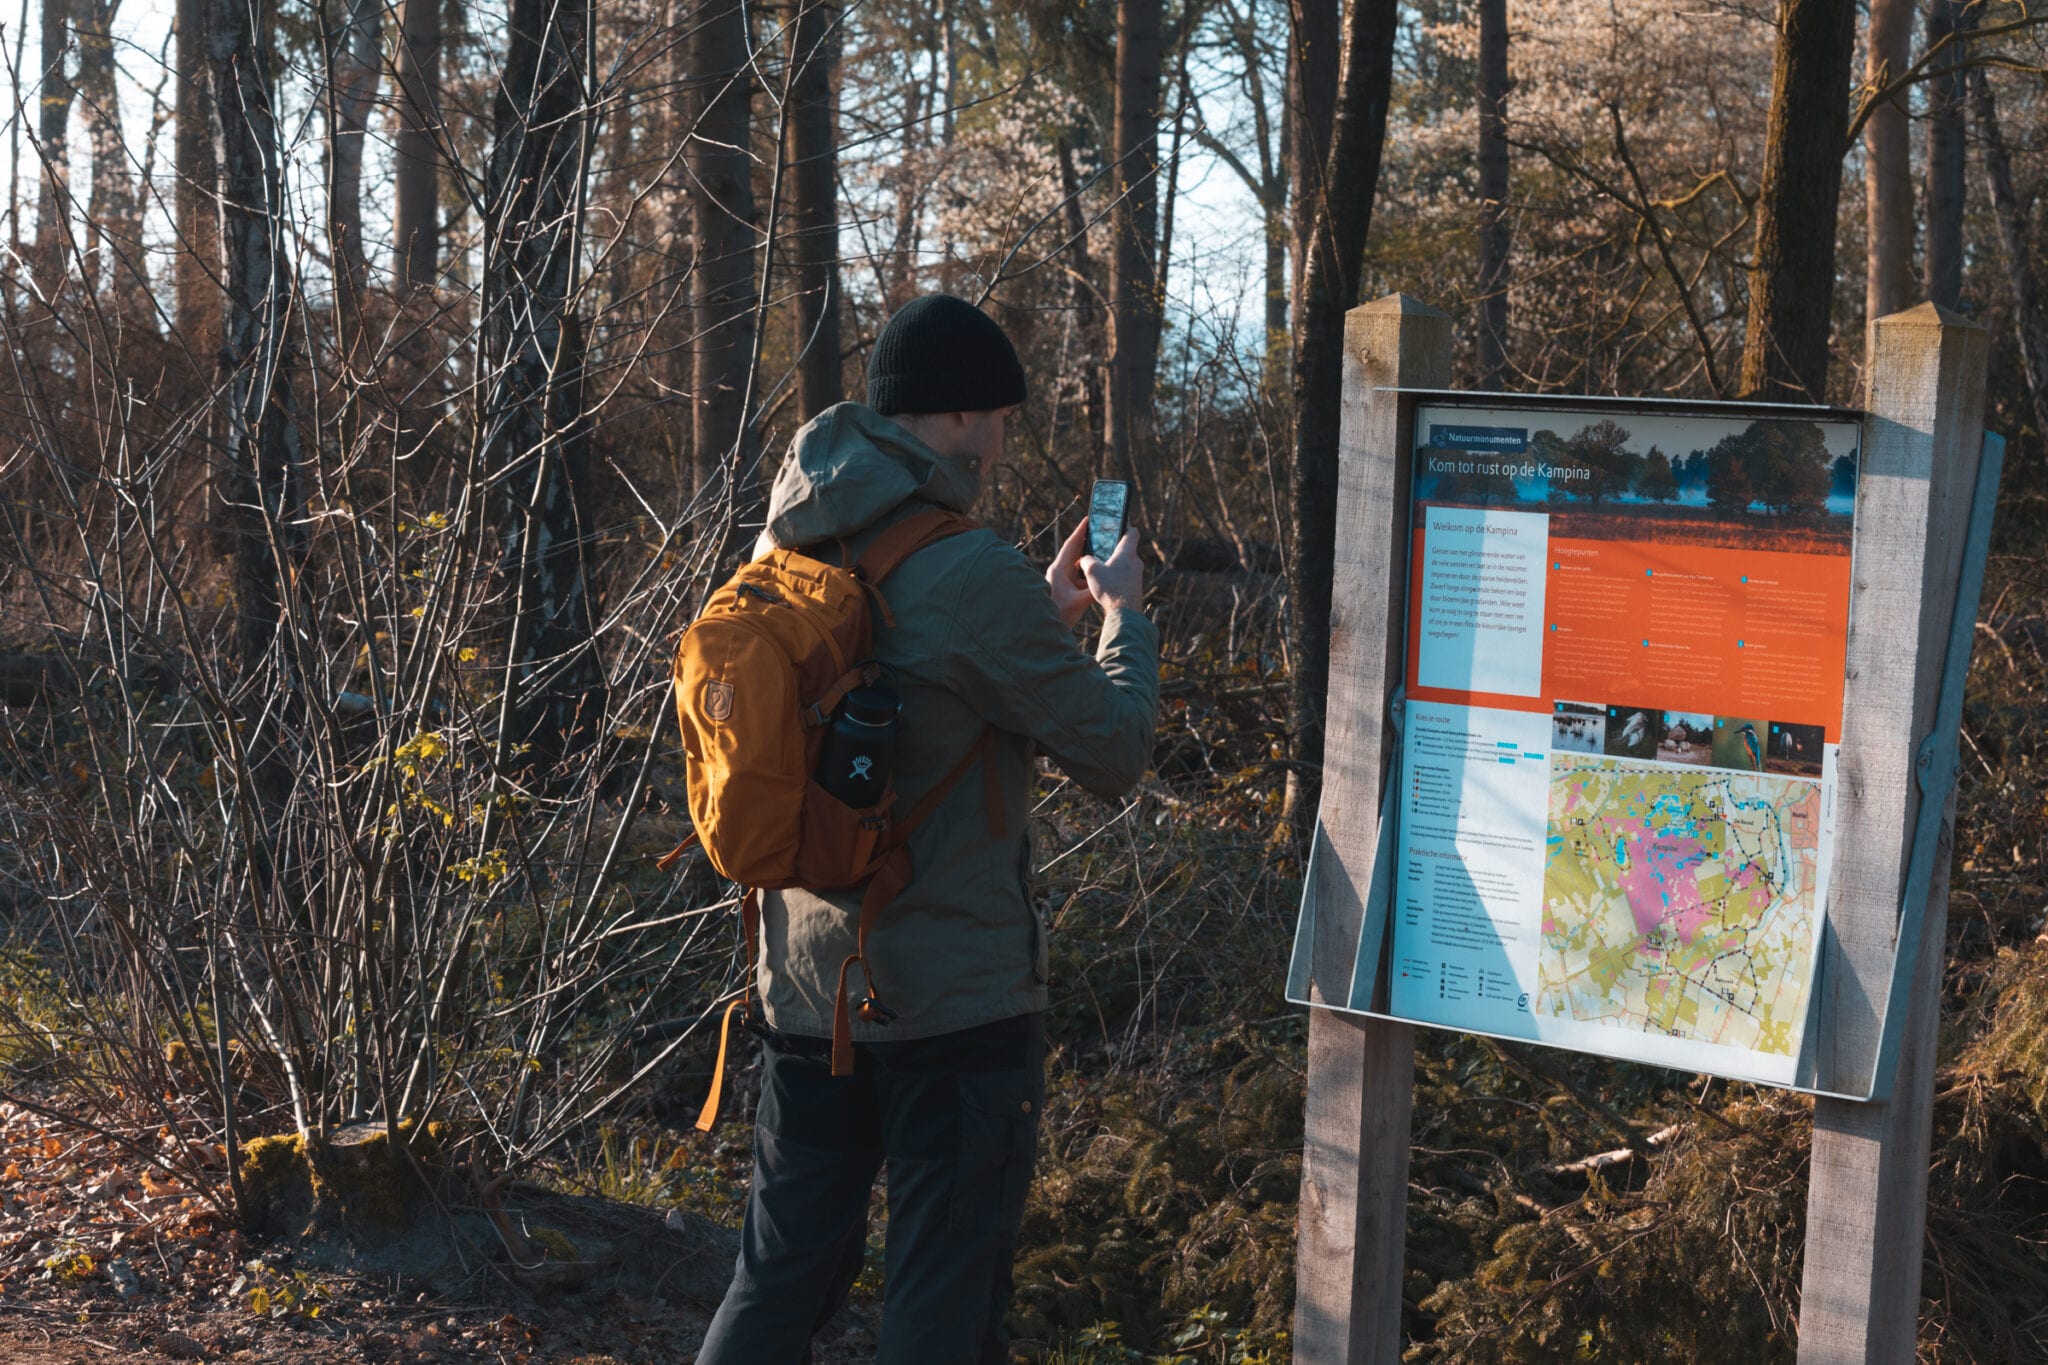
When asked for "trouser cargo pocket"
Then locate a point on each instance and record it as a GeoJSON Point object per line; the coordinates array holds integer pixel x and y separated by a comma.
{"type": "Point", "coordinates": [998, 1144]}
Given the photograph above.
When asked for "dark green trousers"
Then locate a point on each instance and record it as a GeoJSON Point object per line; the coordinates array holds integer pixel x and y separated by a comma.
{"type": "Point", "coordinates": [954, 1120]}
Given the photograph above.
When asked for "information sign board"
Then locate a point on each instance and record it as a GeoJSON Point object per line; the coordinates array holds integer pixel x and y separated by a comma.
{"type": "Point", "coordinates": [1624, 673]}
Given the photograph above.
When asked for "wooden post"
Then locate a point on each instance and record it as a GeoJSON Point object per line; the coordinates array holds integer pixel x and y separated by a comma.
{"type": "Point", "coordinates": [1867, 1201]}
{"type": "Point", "coordinates": [1354, 1174]}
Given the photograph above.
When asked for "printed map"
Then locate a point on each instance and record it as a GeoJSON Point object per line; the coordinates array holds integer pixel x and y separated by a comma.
{"type": "Point", "coordinates": [1680, 902]}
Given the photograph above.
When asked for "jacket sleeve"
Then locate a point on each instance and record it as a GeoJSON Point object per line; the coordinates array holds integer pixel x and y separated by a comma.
{"type": "Point", "coordinates": [1012, 660]}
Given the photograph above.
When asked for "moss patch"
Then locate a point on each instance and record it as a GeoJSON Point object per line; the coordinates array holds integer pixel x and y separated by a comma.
{"type": "Point", "coordinates": [556, 1241]}
{"type": "Point", "coordinates": [358, 1182]}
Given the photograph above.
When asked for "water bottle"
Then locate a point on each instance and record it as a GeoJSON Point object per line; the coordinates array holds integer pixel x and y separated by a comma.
{"type": "Point", "coordinates": [859, 751]}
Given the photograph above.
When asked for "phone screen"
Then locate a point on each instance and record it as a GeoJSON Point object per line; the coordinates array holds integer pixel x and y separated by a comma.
{"type": "Point", "coordinates": [1106, 516]}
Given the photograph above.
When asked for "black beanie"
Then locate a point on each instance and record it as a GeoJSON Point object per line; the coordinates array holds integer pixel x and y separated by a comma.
{"type": "Point", "coordinates": [942, 354]}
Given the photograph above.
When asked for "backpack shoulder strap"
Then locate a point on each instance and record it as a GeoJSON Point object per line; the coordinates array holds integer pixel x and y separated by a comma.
{"type": "Point", "coordinates": [899, 542]}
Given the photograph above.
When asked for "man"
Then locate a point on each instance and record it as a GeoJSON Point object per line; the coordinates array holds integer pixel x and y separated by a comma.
{"type": "Point", "coordinates": [947, 1096]}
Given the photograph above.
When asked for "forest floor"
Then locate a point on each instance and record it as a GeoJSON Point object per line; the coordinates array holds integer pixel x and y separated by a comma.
{"type": "Point", "coordinates": [102, 1261]}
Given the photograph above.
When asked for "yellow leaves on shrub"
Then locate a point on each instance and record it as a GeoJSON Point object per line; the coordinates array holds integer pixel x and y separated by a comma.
{"type": "Point", "coordinates": [487, 867]}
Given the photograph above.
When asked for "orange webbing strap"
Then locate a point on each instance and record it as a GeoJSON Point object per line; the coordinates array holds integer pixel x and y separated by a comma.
{"type": "Point", "coordinates": [883, 887]}
{"type": "Point", "coordinates": [991, 790]}
{"type": "Point", "coordinates": [820, 711]}
{"type": "Point", "coordinates": [707, 1117]}
{"type": "Point", "coordinates": [750, 922]}
{"type": "Point", "coordinates": [992, 785]}
{"type": "Point", "coordinates": [675, 855]}
{"type": "Point", "coordinates": [904, 539]}
{"type": "Point", "coordinates": [888, 883]}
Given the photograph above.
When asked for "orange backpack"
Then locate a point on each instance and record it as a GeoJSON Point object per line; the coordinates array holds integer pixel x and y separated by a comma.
{"type": "Point", "coordinates": [758, 676]}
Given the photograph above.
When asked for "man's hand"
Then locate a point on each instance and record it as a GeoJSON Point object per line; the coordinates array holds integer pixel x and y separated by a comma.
{"type": "Point", "coordinates": [1118, 581]}
{"type": "Point", "coordinates": [1070, 592]}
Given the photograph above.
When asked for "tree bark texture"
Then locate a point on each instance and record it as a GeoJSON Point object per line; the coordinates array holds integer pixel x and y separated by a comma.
{"type": "Point", "coordinates": [2029, 320]}
{"type": "Point", "coordinates": [1315, 40]}
{"type": "Point", "coordinates": [115, 267]}
{"type": "Point", "coordinates": [353, 32]}
{"type": "Point", "coordinates": [814, 169]}
{"type": "Point", "coordinates": [1791, 282]}
{"type": "Point", "coordinates": [53, 124]}
{"type": "Point", "coordinates": [1947, 91]}
{"type": "Point", "coordinates": [196, 282]}
{"type": "Point", "coordinates": [1134, 301]}
{"type": "Point", "coordinates": [261, 482]}
{"type": "Point", "coordinates": [1888, 164]}
{"type": "Point", "coordinates": [1493, 193]}
{"type": "Point", "coordinates": [1333, 256]}
{"type": "Point", "coordinates": [1087, 304]}
{"type": "Point", "coordinates": [416, 153]}
{"type": "Point", "coordinates": [722, 215]}
{"type": "Point", "coordinates": [538, 441]}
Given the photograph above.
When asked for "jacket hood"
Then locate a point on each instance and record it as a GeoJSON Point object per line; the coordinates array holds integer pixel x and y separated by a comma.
{"type": "Point", "coordinates": [850, 466]}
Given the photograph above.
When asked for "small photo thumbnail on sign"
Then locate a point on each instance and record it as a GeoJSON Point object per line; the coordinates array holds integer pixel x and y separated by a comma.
{"type": "Point", "coordinates": [1739, 743]}
{"type": "Point", "coordinates": [1793, 749]}
{"type": "Point", "coordinates": [1633, 731]}
{"type": "Point", "coordinates": [1577, 727]}
{"type": "Point", "coordinates": [1688, 737]}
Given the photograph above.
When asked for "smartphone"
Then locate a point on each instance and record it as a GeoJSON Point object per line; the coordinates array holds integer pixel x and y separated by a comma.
{"type": "Point", "coordinates": [1106, 521]}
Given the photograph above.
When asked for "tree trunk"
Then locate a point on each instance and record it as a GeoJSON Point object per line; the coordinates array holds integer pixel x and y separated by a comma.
{"type": "Point", "coordinates": [722, 209]}
{"type": "Point", "coordinates": [1888, 164]}
{"type": "Point", "coordinates": [1493, 193]}
{"type": "Point", "coordinates": [1791, 283]}
{"type": "Point", "coordinates": [1134, 229]}
{"type": "Point", "coordinates": [1087, 305]}
{"type": "Point", "coordinates": [901, 284]}
{"type": "Point", "coordinates": [197, 272]}
{"type": "Point", "coordinates": [353, 55]}
{"type": "Point", "coordinates": [116, 267]}
{"type": "Point", "coordinates": [416, 177]}
{"type": "Point", "coordinates": [814, 166]}
{"type": "Point", "coordinates": [2030, 321]}
{"type": "Point", "coordinates": [1312, 72]}
{"type": "Point", "coordinates": [532, 363]}
{"type": "Point", "coordinates": [53, 193]}
{"type": "Point", "coordinates": [1948, 21]}
{"type": "Point", "coordinates": [1333, 256]}
{"type": "Point", "coordinates": [261, 487]}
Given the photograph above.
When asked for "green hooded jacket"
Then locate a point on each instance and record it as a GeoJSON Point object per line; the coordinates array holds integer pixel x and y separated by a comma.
{"type": "Point", "coordinates": [976, 643]}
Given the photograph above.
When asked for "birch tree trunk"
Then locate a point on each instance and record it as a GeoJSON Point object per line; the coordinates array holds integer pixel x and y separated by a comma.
{"type": "Point", "coordinates": [1332, 256]}
{"type": "Point", "coordinates": [722, 212]}
{"type": "Point", "coordinates": [115, 268]}
{"type": "Point", "coordinates": [537, 443]}
{"type": "Point", "coordinates": [1134, 301]}
{"type": "Point", "coordinates": [353, 57]}
{"type": "Point", "coordinates": [53, 123]}
{"type": "Point", "coordinates": [1947, 21]}
{"type": "Point", "coordinates": [1493, 193]}
{"type": "Point", "coordinates": [1087, 304]}
{"type": "Point", "coordinates": [196, 278]}
{"type": "Point", "coordinates": [261, 484]}
{"type": "Point", "coordinates": [2029, 319]}
{"type": "Point", "coordinates": [1792, 279]}
{"type": "Point", "coordinates": [1888, 164]}
{"type": "Point", "coordinates": [416, 153]}
{"type": "Point", "coordinates": [814, 167]}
